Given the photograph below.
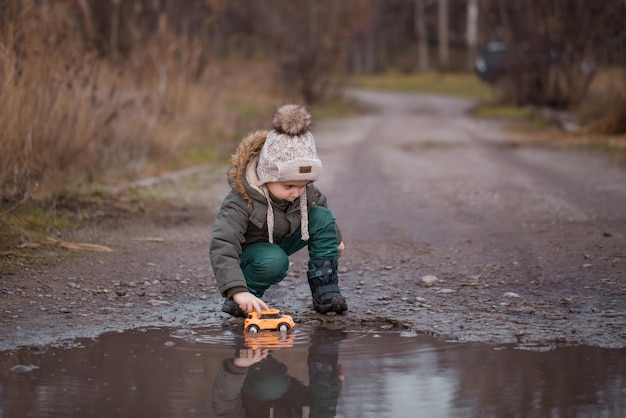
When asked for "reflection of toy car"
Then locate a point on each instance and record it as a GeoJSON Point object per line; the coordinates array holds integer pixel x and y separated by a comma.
{"type": "Point", "coordinates": [269, 340]}
{"type": "Point", "coordinates": [269, 319]}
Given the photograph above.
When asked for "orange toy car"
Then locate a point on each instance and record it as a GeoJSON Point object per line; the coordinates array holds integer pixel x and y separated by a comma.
{"type": "Point", "coordinates": [269, 319]}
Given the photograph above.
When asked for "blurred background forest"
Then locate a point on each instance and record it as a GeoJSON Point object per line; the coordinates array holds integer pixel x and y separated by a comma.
{"type": "Point", "coordinates": [110, 90]}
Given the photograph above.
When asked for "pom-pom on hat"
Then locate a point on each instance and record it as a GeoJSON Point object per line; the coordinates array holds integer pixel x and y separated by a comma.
{"type": "Point", "coordinates": [288, 154]}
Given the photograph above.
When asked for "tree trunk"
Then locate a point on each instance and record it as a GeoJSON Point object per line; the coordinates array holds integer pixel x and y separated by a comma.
{"type": "Point", "coordinates": [90, 32]}
{"type": "Point", "coordinates": [472, 32]}
{"type": "Point", "coordinates": [422, 37]}
{"type": "Point", "coordinates": [115, 25]}
{"type": "Point", "coordinates": [444, 51]}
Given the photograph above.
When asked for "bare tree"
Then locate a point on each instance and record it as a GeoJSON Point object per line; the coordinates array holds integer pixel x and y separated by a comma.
{"type": "Point", "coordinates": [362, 48]}
{"type": "Point", "coordinates": [471, 33]}
{"type": "Point", "coordinates": [444, 48]}
{"type": "Point", "coordinates": [554, 45]}
{"type": "Point", "coordinates": [422, 36]}
{"type": "Point", "coordinates": [309, 40]}
{"type": "Point", "coordinates": [88, 24]}
{"type": "Point", "coordinates": [115, 23]}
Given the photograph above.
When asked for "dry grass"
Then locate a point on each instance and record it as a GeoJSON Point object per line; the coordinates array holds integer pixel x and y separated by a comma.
{"type": "Point", "coordinates": [68, 116]}
{"type": "Point", "coordinates": [464, 84]}
{"type": "Point", "coordinates": [604, 110]}
{"type": "Point", "coordinates": [602, 116]}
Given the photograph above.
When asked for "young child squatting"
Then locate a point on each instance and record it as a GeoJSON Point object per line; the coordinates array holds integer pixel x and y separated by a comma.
{"type": "Point", "coordinates": [273, 210]}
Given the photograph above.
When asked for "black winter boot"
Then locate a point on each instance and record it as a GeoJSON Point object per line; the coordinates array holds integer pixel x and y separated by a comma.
{"type": "Point", "coordinates": [231, 308]}
{"type": "Point", "coordinates": [324, 286]}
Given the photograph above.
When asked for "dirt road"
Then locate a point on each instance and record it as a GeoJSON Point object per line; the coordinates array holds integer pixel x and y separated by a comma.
{"type": "Point", "coordinates": [451, 227]}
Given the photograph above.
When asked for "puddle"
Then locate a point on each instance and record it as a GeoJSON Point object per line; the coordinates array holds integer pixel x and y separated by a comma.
{"type": "Point", "coordinates": [309, 372]}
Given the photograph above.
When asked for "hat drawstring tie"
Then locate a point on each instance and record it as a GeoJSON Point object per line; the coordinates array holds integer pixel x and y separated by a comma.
{"type": "Point", "coordinates": [304, 217]}
{"type": "Point", "coordinates": [270, 214]}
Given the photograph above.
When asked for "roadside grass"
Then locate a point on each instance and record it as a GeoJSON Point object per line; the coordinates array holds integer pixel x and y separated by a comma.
{"type": "Point", "coordinates": [337, 108]}
{"type": "Point", "coordinates": [30, 223]}
{"type": "Point", "coordinates": [23, 236]}
{"type": "Point", "coordinates": [611, 147]}
{"type": "Point", "coordinates": [31, 231]}
{"type": "Point", "coordinates": [521, 119]}
{"type": "Point", "coordinates": [450, 84]}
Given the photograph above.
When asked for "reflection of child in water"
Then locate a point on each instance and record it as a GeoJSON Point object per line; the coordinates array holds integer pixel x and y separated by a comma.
{"type": "Point", "coordinates": [255, 384]}
{"type": "Point", "coordinates": [325, 373]}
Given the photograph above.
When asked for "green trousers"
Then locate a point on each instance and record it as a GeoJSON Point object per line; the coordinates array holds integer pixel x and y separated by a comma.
{"type": "Point", "coordinates": [264, 264]}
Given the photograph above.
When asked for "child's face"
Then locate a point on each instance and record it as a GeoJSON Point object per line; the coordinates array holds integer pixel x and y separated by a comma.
{"type": "Point", "coordinates": [287, 190]}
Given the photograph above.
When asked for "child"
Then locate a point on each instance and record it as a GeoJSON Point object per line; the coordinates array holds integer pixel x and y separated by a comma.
{"type": "Point", "coordinates": [273, 210]}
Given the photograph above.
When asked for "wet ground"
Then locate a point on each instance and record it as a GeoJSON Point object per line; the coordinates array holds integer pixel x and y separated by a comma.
{"type": "Point", "coordinates": [452, 226]}
{"type": "Point", "coordinates": [492, 270]}
{"type": "Point", "coordinates": [213, 371]}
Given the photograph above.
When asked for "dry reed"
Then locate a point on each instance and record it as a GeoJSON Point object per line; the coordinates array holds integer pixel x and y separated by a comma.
{"type": "Point", "coordinates": [68, 115]}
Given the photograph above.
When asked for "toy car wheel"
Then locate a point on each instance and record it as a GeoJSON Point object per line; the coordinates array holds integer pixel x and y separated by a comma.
{"type": "Point", "coordinates": [283, 327]}
{"type": "Point", "coordinates": [253, 329]}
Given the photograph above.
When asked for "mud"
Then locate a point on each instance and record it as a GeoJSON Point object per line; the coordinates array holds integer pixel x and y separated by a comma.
{"type": "Point", "coordinates": [527, 245]}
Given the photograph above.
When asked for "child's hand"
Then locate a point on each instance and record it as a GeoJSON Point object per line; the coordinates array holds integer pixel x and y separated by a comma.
{"type": "Point", "coordinates": [248, 302]}
{"type": "Point", "coordinates": [248, 357]}
{"type": "Point", "coordinates": [342, 248]}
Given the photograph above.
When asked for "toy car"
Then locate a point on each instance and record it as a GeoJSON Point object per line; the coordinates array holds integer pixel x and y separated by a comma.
{"type": "Point", "coordinates": [270, 319]}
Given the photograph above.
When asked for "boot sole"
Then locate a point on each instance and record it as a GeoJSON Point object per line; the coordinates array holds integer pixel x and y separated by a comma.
{"type": "Point", "coordinates": [337, 307]}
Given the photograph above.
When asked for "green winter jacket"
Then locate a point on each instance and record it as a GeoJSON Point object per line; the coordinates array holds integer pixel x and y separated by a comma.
{"type": "Point", "coordinates": [242, 217]}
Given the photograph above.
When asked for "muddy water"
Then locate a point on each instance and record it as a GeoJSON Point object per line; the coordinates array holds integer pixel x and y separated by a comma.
{"type": "Point", "coordinates": [317, 372]}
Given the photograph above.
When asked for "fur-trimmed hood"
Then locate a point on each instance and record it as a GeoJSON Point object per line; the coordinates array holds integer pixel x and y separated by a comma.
{"type": "Point", "coordinates": [286, 153]}
{"type": "Point", "coordinates": [241, 174]}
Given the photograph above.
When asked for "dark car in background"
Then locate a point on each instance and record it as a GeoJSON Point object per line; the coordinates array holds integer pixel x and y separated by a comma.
{"type": "Point", "coordinates": [491, 64]}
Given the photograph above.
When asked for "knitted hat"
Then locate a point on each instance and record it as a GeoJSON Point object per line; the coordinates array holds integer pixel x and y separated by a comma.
{"type": "Point", "coordinates": [289, 151]}
{"type": "Point", "coordinates": [288, 154]}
